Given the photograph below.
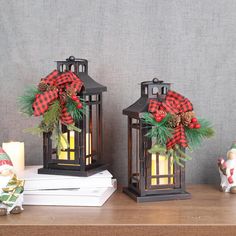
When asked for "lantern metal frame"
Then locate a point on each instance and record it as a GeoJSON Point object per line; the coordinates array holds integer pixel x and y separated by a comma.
{"type": "Point", "coordinates": [140, 176]}
{"type": "Point", "coordinates": [83, 164]}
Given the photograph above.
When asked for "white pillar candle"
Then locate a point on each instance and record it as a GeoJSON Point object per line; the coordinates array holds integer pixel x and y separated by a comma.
{"type": "Point", "coordinates": [16, 152]}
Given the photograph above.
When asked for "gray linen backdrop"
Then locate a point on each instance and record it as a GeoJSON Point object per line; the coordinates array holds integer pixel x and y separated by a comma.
{"type": "Point", "coordinates": [190, 43]}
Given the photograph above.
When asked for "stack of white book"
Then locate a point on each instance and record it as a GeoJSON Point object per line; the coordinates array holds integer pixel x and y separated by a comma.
{"type": "Point", "coordinates": [66, 190]}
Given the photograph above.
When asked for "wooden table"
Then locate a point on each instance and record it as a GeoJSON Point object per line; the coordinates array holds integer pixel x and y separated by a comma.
{"type": "Point", "coordinates": [209, 212]}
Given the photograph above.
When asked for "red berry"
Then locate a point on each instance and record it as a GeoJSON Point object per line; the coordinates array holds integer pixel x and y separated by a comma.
{"type": "Point", "coordinates": [191, 126]}
{"type": "Point", "coordinates": [162, 115]}
{"type": "Point", "coordinates": [197, 126]}
{"type": "Point", "coordinates": [79, 105]}
{"type": "Point", "coordinates": [159, 118]}
{"type": "Point", "coordinates": [74, 97]}
{"type": "Point", "coordinates": [194, 120]}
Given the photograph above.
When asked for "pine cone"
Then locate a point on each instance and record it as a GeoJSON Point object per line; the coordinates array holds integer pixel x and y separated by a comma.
{"type": "Point", "coordinates": [174, 120]}
{"type": "Point", "coordinates": [186, 117]}
{"type": "Point", "coordinates": [42, 86]}
{"type": "Point", "coordinates": [50, 88]}
{"type": "Point", "coordinates": [63, 98]}
{"type": "Point", "coordinates": [70, 91]}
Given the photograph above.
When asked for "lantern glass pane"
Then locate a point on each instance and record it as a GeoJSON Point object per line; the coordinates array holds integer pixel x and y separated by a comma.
{"type": "Point", "coordinates": [162, 170]}
{"type": "Point", "coordinates": [159, 168]}
{"type": "Point", "coordinates": [92, 128]}
{"type": "Point", "coordinates": [72, 152]}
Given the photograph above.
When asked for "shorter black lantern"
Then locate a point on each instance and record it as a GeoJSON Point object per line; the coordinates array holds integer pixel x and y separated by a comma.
{"type": "Point", "coordinates": [151, 177]}
{"type": "Point", "coordinates": [83, 155]}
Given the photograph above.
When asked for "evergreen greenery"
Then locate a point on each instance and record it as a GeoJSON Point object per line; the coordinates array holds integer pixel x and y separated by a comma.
{"type": "Point", "coordinates": [161, 132]}
{"type": "Point", "coordinates": [51, 116]}
{"type": "Point", "coordinates": [158, 149]}
{"type": "Point", "coordinates": [158, 130]}
{"type": "Point", "coordinates": [57, 137]}
{"type": "Point", "coordinates": [176, 153]}
{"type": "Point", "coordinates": [73, 128]}
{"type": "Point", "coordinates": [37, 130]}
{"type": "Point", "coordinates": [71, 105]}
{"type": "Point", "coordinates": [196, 136]}
{"type": "Point", "coordinates": [27, 99]}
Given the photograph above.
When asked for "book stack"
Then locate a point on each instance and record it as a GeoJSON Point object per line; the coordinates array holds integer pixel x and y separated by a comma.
{"type": "Point", "coordinates": [66, 190]}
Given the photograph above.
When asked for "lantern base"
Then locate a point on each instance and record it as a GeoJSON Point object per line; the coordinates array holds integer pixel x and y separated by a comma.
{"type": "Point", "coordinates": [155, 198]}
{"type": "Point", "coordinates": [86, 173]}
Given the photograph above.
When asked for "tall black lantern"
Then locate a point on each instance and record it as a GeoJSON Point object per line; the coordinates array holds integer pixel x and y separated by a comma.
{"type": "Point", "coordinates": [83, 155]}
{"type": "Point", "coordinates": [151, 177]}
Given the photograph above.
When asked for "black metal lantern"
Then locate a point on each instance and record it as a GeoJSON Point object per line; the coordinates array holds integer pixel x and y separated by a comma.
{"type": "Point", "coordinates": [83, 155]}
{"type": "Point", "coordinates": [151, 177]}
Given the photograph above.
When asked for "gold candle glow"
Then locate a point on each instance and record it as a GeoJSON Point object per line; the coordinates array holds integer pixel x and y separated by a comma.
{"type": "Point", "coordinates": [64, 155]}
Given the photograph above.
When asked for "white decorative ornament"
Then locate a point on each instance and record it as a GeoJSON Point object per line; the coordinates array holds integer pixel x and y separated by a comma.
{"type": "Point", "coordinates": [227, 170]}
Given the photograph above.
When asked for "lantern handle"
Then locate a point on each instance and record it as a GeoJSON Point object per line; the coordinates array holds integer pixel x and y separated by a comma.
{"type": "Point", "coordinates": [157, 81]}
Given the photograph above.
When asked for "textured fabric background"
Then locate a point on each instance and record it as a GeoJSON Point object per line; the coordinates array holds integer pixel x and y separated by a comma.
{"type": "Point", "coordinates": [190, 43]}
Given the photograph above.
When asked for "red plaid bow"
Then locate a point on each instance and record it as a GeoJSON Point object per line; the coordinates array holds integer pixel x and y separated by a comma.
{"type": "Point", "coordinates": [61, 81]}
{"type": "Point", "coordinates": [174, 103]}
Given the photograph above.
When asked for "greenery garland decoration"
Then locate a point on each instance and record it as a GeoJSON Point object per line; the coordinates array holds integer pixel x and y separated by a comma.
{"type": "Point", "coordinates": [27, 100]}
{"type": "Point", "coordinates": [163, 126]}
{"type": "Point", "coordinates": [160, 131]}
{"type": "Point", "coordinates": [195, 137]}
{"type": "Point", "coordinates": [66, 108]}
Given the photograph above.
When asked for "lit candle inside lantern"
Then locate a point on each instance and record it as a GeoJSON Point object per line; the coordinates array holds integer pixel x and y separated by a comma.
{"type": "Point", "coordinates": [163, 169]}
{"type": "Point", "coordinates": [16, 152]}
{"type": "Point", "coordinates": [88, 148]}
{"type": "Point", "coordinates": [64, 155]}
{"type": "Point", "coordinates": [154, 169]}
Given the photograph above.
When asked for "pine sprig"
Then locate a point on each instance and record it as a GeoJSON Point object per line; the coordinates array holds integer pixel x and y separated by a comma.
{"type": "Point", "coordinates": [158, 130]}
{"type": "Point", "coordinates": [196, 136]}
{"type": "Point", "coordinates": [51, 116]}
{"type": "Point", "coordinates": [176, 153]}
{"type": "Point", "coordinates": [37, 130]}
{"type": "Point", "coordinates": [182, 154]}
{"type": "Point", "coordinates": [27, 99]}
{"type": "Point", "coordinates": [57, 137]}
{"type": "Point", "coordinates": [157, 149]}
{"type": "Point", "coordinates": [71, 105]}
{"type": "Point", "coordinates": [72, 127]}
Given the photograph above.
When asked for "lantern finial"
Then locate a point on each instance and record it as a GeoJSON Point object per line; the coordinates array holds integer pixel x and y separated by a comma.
{"type": "Point", "coordinates": [71, 58]}
{"type": "Point", "coordinates": [157, 81]}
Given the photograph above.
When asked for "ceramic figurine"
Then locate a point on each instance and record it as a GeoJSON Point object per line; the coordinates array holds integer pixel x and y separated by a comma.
{"type": "Point", "coordinates": [11, 188]}
{"type": "Point", "coordinates": [227, 171]}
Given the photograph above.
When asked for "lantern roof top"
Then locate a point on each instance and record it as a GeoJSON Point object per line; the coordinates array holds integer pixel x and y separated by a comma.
{"type": "Point", "coordinates": [80, 68]}
{"type": "Point", "coordinates": [154, 89]}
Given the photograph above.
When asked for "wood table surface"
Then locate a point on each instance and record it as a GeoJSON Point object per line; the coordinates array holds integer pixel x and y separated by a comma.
{"type": "Point", "coordinates": [209, 212]}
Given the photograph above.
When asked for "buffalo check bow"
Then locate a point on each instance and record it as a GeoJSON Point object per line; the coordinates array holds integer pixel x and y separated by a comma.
{"type": "Point", "coordinates": [61, 81]}
{"type": "Point", "coordinates": [174, 103]}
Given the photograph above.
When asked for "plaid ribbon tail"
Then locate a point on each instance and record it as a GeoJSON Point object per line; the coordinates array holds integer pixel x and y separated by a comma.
{"type": "Point", "coordinates": [66, 118]}
{"type": "Point", "coordinates": [179, 137]}
{"type": "Point", "coordinates": [43, 100]}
